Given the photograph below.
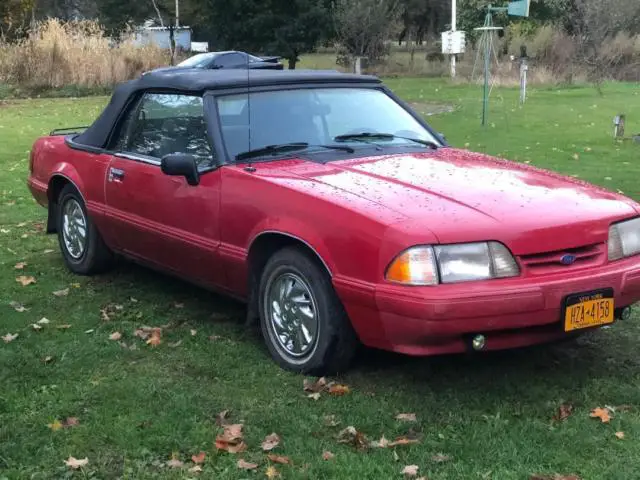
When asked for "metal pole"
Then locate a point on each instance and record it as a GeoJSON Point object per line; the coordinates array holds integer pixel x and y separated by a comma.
{"type": "Point", "coordinates": [523, 81]}
{"type": "Point", "coordinates": [177, 13]}
{"type": "Point", "coordinates": [454, 21]}
{"type": "Point", "coordinates": [487, 58]}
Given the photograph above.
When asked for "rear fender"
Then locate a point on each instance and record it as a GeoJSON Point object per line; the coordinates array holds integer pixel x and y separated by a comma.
{"type": "Point", "coordinates": [63, 174]}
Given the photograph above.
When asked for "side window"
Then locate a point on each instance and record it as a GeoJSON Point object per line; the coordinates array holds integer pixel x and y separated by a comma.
{"type": "Point", "coordinates": [161, 124]}
{"type": "Point", "coordinates": [230, 60]}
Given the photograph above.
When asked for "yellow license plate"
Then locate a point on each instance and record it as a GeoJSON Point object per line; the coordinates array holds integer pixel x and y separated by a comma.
{"type": "Point", "coordinates": [589, 310]}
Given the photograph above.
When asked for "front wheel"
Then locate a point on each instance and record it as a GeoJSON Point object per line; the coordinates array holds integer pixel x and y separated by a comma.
{"type": "Point", "coordinates": [81, 245]}
{"type": "Point", "coordinates": [302, 319]}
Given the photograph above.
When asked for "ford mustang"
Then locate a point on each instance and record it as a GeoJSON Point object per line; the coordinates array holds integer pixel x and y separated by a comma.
{"type": "Point", "coordinates": [338, 215]}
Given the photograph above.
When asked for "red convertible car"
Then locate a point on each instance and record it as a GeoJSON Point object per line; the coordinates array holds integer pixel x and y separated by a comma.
{"type": "Point", "coordinates": [338, 215]}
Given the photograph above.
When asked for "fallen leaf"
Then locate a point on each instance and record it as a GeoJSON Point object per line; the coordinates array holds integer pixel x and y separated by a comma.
{"type": "Point", "coordinates": [175, 463]}
{"type": "Point", "coordinates": [115, 336]}
{"type": "Point", "coordinates": [91, 330]}
{"type": "Point", "coordinates": [279, 459]}
{"type": "Point", "coordinates": [338, 390]}
{"type": "Point", "coordinates": [71, 422]}
{"type": "Point", "coordinates": [64, 326]}
{"type": "Point", "coordinates": [178, 305]}
{"type": "Point", "coordinates": [195, 469]}
{"type": "Point", "coordinates": [61, 293]}
{"type": "Point", "coordinates": [330, 421]}
{"type": "Point", "coordinates": [76, 463]}
{"type": "Point", "coordinates": [104, 315]}
{"type": "Point", "coordinates": [155, 338]}
{"type": "Point", "coordinates": [440, 458]}
{"type": "Point", "coordinates": [48, 250]}
{"type": "Point", "coordinates": [382, 443]}
{"type": "Point", "coordinates": [271, 472]}
{"type": "Point", "coordinates": [20, 265]}
{"type": "Point", "coordinates": [44, 321]}
{"type": "Point", "coordinates": [406, 417]}
{"type": "Point", "coordinates": [36, 327]}
{"type": "Point", "coordinates": [231, 439]}
{"type": "Point", "coordinates": [199, 458]}
{"type": "Point", "coordinates": [9, 337]}
{"type": "Point", "coordinates": [403, 441]}
{"type": "Point", "coordinates": [396, 457]}
{"type": "Point", "coordinates": [25, 280]}
{"type": "Point", "coordinates": [18, 307]}
{"type": "Point", "coordinates": [222, 417]}
{"type": "Point", "coordinates": [315, 396]}
{"type": "Point", "coordinates": [314, 387]}
{"type": "Point", "coordinates": [564, 411]}
{"type": "Point", "coordinates": [55, 425]}
{"type": "Point", "coordinates": [353, 437]}
{"type": "Point", "coordinates": [620, 435]}
{"type": "Point", "coordinates": [4, 230]}
{"type": "Point", "coordinates": [47, 359]}
{"type": "Point", "coordinates": [213, 338]}
{"type": "Point", "coordinates": [246, 465]}
{"type": "Point", "coordinates": [410, 470]}
{"type": "Point", "coordinates": [270, 442]}
{"type": "Point", "coordinates": [327, 455]}
{"type": "Point", "coordinates": [175, 344]}
{"type": "Point", "coordinates": [601, 413]}
{"type": "Point", "coordinates": [193, 332]}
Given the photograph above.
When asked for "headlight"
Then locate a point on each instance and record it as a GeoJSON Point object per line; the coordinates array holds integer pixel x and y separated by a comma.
{"type": "Point", "coordinates": [426, 265]}
{"type": "Point", "coordinates": [624, 239]}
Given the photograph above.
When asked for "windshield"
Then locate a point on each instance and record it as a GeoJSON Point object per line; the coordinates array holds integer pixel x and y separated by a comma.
{"type": "Point", "coordinates": [198, 60]}
{"type": "Point", "coordinates": [314, 116]}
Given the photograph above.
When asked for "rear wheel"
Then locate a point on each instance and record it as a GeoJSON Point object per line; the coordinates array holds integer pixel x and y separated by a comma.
{"type": "Point", "coordinates": [302, 319]}
{"type": "Point", "coordinates": [81, 245]}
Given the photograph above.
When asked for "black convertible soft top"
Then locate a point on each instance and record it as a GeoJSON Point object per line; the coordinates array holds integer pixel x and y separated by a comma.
{"type": "Point", "coordinates": [198, 81]}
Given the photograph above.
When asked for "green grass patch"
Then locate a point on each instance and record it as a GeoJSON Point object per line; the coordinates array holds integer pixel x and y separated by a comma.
{"type": "Point", "coordinates": [491, 415]}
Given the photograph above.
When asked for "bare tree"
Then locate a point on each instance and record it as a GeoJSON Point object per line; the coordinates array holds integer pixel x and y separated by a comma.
{"type": "Point", "coordinates": [364, 26]}
{"type": "Point", "coordinates": [598, 26]}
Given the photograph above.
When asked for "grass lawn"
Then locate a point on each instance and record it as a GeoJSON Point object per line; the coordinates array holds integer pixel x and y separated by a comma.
{"type": "Point", "coordinates": [487, 417]}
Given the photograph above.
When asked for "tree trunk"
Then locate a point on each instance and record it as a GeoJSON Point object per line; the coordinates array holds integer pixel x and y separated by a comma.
{"type": "Point", "coordinates": [172, 45]}
{"type": "Point", "coordinates": [292, 62]}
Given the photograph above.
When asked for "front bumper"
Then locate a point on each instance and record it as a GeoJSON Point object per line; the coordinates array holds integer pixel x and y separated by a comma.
{"type": "Point", "coordinates": [510, 313]}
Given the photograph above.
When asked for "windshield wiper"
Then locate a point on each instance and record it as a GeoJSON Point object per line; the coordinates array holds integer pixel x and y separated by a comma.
{"type": "Point", "coordinates": [367, 136]}
{"type": "Point", "coordinates": [288, 147]}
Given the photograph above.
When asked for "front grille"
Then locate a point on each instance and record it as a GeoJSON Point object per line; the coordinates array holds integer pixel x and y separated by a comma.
{"type": "Point", "coordinates": [549, 262]}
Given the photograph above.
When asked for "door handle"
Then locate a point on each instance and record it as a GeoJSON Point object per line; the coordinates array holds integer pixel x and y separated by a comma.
{"type": "Point", "coordinates": [116, 174]}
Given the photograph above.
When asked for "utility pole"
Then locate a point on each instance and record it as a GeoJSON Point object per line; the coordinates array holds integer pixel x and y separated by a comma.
{"type": "Point", "coordinates": [454, 20]}
{"type": "Point", "coordinates": [177, 13]}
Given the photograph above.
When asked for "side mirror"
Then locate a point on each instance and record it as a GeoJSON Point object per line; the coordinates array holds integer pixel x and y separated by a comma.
{"type": "Point", "coordinates": [181, 164]}
{"type": "Point", "coordinates": [442, 136]}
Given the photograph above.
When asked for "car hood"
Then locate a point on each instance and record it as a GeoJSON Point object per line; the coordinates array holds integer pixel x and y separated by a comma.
{"type": "Point", "coordinates": [459, 195]}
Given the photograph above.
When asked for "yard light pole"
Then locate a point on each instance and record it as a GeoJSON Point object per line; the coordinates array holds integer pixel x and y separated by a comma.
{"type": "Point", "coordinates": [454, 20]}
{"type": "Point", "coordinates": [177, 13]}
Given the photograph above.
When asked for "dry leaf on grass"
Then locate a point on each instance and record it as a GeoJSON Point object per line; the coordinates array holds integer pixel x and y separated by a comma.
{"type": "Point", "coordinates": [406, 417]}
{"type": "Point", "coordinates": [279, 459]}
{"type": "Point", "coordinates": [314, 387]}
{"type": "Point", "coordinates": [339, 389]}
{"type": "Point", "coordinates": [76, 463]}
{"type": "Point", "coordinates": [199, 458]}
{"type": "Point", "coordinates": [36, 327]}
{"type": "Point", "coordinates": [601, 413]}
{"type": "Point", "coordinates": [564, 411]}
{"type": "Point", "coordinates": [61, 293]}
{"type": "Point", "coordinates": [440, 458]}
{"type": "Point", "coordinates": [20, 265]}
{"type": "Point", "coordinates": [353, 437]}
{"type": "Point", "coordinates": [71, 422]}
{"type": "Point", "coordinates": [231, 439]}
{"type": "Point", "coordinates": [270, 442]}
{"type": "Point", "coordinates": [619, 435]}
{"type": "Point", "coordinates": [194, 332]}
{"type": "Point", "coordinates": [155, 338]}
{"type": "Point", "coordinates": [48, 359]}
{"type": "Point", "coordinates": [271, 472]}
{"type": "Point", "coordinates": [63, 326]}
{"type": "Point", "coordinates": [244, 465]}
{"type": "Point", "coordinates": [175, 344]}
{"type": "Point", "coordinates": [115, 336]}
{"type": "Point", "coordinates": [18, 307]}
{"type": "Point", "coordinates": [314, 396]}
{"type": "Point", "coordinates": [195, 469]}
{"type": "Point", "coordinates": [178, 305]}
{"type": "Point", "coordinates": [175, 463]}
{"type": "Point", "coordinates": [25, 280]}
{"type": "Point", "coordinates": [410, 470]}
{"type": "Point", "coordinates": [44, 321]}
{"type": "Point", "coordinates": [9, 337]}
{"type": "Point", "coordinates": [330, 421]}
{"type": "Point", "coordinates": [403, 441]}
{"type": "Point", "coordinates": [327, 455]}
{"type": "Point", "coordinates": [382, 443]}
{"type": "Point", "coordinates": [55, 425]}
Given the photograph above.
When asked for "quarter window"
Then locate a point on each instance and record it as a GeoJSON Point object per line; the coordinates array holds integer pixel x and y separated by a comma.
{"type": "Point", "coordinates": [161, 124]}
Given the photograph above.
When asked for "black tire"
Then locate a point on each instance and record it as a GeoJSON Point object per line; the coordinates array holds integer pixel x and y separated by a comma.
{"type": "Point", "coordinates": [95, 257]}
{"type": "Point", "coordinates": [335, 342]}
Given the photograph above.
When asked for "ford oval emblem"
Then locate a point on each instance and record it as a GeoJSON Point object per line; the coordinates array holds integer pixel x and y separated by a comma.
{"type": "Point", "coordinates": [568, 259]}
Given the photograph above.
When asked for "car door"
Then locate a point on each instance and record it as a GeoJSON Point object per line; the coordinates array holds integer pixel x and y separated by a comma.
{"type": "Point", "coordinates": [158, 218]}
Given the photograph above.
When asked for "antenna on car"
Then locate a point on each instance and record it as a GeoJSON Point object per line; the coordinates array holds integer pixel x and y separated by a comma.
{"type": "Point", "coordinates": [249, 167]}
